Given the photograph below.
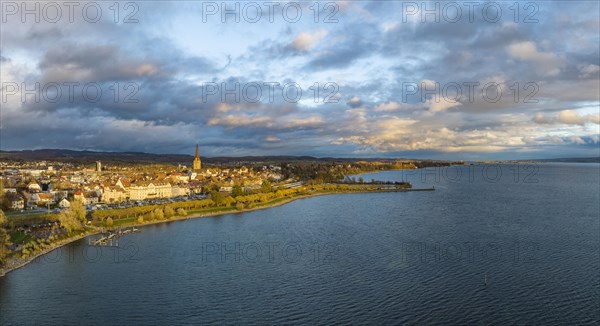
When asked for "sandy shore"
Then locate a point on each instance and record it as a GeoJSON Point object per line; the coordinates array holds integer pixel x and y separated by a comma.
{"type": "Point", "coordinates": [18, 262]}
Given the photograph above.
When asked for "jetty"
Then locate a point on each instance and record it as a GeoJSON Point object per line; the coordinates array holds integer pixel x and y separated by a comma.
{"type": "Point", "coordinates": [111, 239]}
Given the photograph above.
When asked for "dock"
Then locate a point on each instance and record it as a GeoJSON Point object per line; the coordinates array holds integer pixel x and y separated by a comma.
{"type": "Point", "coordinates": [111, 239]}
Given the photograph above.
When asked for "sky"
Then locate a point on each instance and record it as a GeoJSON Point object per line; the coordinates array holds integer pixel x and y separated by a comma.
{"type": "Point", "coordinates": [440, 80]}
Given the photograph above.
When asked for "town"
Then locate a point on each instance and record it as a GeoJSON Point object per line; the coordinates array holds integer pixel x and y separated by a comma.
{"type": "Point", "coordinates": [51, 186]}
{"type": "Point", "coordinates": [47, 203]}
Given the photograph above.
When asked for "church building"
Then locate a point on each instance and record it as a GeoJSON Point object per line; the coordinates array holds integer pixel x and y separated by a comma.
{"type": "Point", "coordinates": [197, 164]}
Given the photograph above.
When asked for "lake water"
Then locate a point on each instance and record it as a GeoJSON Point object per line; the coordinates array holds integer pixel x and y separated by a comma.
{"type": "Point", "coordinates": [494, 245]}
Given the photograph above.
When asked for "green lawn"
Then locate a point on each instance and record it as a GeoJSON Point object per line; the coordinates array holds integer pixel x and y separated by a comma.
{"type": "Point", "coordinates": [32, 219]}
{"type": "Point", "coordinates": [20, 237]}
{"type": "Point", "coordinates": [124, 221]}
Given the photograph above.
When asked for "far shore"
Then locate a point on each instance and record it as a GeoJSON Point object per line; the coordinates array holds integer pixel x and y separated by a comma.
{"type": "Point", "coordinates": [17, 262]}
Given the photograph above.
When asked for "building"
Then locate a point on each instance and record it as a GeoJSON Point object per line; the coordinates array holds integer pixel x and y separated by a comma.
{"type": "Point", "coordinates": [149, 190]}
{"type": "Point", "coordinates": [112, 194]}
{"type": "Point", "coordinates": [43, 198]}
{"type": "Point", "coordinates": [64, 203]}
{"type": "Point", "coordinates": [87, 198]}
{"type": "Point", "coordinates": [34, 187]}
{"type": "Point", "coordinates": [197, 163]}
{"type": "Point", "coordinates": [15, 200]}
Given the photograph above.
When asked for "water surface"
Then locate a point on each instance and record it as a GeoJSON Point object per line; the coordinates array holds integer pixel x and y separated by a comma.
{"type": "Point", "coordinates": [520, 247]}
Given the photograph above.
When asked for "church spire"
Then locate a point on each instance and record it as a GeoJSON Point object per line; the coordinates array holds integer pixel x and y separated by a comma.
{"type": "Point", "coordinates": [197, 165]}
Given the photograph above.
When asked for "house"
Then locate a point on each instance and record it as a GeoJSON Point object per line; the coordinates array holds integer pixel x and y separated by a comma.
{"type": "Point", "coordinates": [179, 191]}
{"type": "Point", "coordinates": [43, 198]}
{"type": "Point", "coordinates": [6, 190]}
{"type": "Point", "coordinates": [90, 198]}
{"type": "Point", "coordinates": [14, 200]}
{"type": "Point", "coordinates": [163, 190]}
{"type": "Point", "coordinates": [144, 190]}
{"type": "Point", "coordinates": [87, 198]}
{"type": "Point", "coordinates": [226, 189]}
{"type": "Point", "coordinates": [112, 194]}
{"type": "Point", "coordinates": [64, 203]}
{"type": "Point", "coordinates": [123, 183]}
{"type": "Point", "coordinates": [79, 195]}
{"type": "Point", "coordinates": [180, 177]}
{"type": "Point", "coordinates": [34, 187]}
{"type": "Point", "coordinates": [59, 194]}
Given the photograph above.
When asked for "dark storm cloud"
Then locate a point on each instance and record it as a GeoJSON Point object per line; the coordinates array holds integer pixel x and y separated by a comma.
{"type": "Point", "coordinates": [369, 54]}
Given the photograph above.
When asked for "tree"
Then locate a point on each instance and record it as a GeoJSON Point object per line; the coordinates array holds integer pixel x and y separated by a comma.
{"type": "Point", "coordinates": [361, 180]}
{"type": "Point", "coordinates": [158, 214]}
{"type": "Point", "coordinates": [169, 212]}
{"type": "Point", "coordinates": [4, 244]}
{"type": "Point", "coordinates": [239, 206]}
{"type": "Point", "coordinates": [109, 222]}
{"type": "Point", "coordinates": [78, 210]}
{"type": "Point", "coordinates": [150, 216]}
{"type": "Point", "coordinates": [69, 221]}
{"type": "Point", "coordinates": [217, 197]}
{"type": "Point", "coordinates": [2, 218]}
{"type": "Point", "coordinates": [237, 191]}
{"type": "Point", "coordinates": [140, 220]}
{"type": "Point", "coordinates": [229, 201]}
{"type": "Point", "coordinates": [181, 212]}
{"type": "Point", "coordinates": [266, 186]}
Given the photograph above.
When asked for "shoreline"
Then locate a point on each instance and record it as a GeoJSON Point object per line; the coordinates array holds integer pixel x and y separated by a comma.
{"type": "Point", "coordinates": [18, 262]}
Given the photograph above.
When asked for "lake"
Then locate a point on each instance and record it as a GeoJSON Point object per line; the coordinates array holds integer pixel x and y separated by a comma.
{"type": "Point", "coordinates": [493, 244]}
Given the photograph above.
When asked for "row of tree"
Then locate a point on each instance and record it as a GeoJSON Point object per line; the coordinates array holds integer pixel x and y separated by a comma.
{"type": "Point", "coordinates": [217, 199]}
{"type": "Point", "coordinates": [4, 238]}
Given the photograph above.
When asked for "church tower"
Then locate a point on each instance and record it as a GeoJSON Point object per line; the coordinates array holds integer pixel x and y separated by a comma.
{"type": "Point", "coordinates": [197, 163]}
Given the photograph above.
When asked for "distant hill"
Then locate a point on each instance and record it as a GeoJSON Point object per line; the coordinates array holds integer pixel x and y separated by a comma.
{"type": "Point", "coordinates": [64, 155]}
{"type": "Point", "coordinates": [572, 160]}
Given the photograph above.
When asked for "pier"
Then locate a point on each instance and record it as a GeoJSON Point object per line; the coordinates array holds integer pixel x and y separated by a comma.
{"type": "Point", "coordinates": [111, 239]}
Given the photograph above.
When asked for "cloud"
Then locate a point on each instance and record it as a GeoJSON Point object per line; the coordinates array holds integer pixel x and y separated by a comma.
{"type": "Point", "coordinates": [389, 107]}
{"type": "Point", "coordinates": [571, 117]}
{"type": "Point", "coordinates": [576, 140]}
{"type": "Point", "coordinates": [540, 118]}
{"type": "Point", "coordinates": [441, 105]}
{"type": "Point", "coordinates": [306, 41]}
{"type": "Point", "coordinates": [546, 63]}
{"type": "Point", "coordinates": [365, 54]}
{"type": "Point", "coordinates": [588, 70]}
{"type": "Point", "coordinates": [354, 102]}
{"type": "Point", "coordinates": [567, 117]}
